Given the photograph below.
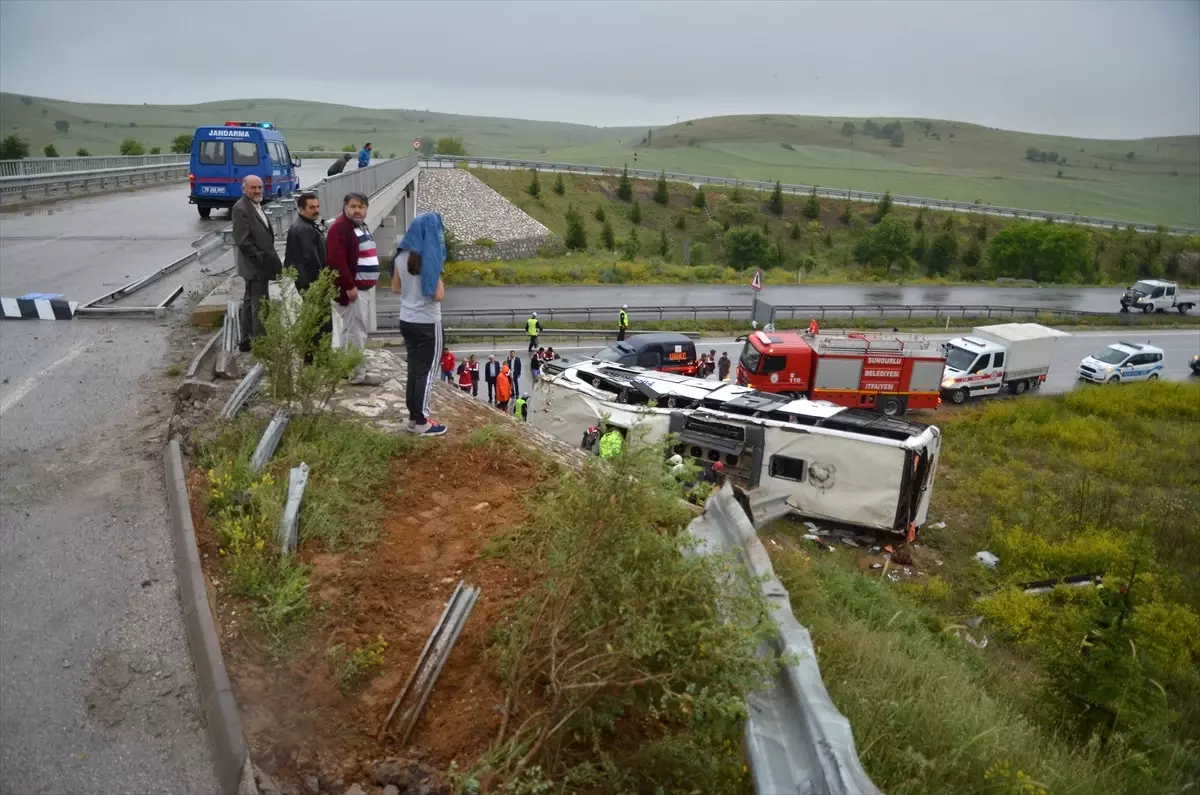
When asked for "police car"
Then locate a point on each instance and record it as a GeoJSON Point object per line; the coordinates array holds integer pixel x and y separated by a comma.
{"type": "Point", "coordinates": [223, 156]}
{"type": "Point", "coordinates": [1123, 361]}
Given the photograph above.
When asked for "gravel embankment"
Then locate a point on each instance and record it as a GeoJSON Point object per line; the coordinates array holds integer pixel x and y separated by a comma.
{"type": "Point", "coordinates": [472, 210]}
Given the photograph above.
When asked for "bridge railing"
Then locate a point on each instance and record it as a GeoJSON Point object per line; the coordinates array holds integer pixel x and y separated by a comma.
{"type": "Point", "coordinates": [388, 309]}
{"type": "Point", "coordinates": [27, 185]}
{"type": "Point", "coordinates": [450, 161]}
{"type": "Point", "coordinates": [31, 166]}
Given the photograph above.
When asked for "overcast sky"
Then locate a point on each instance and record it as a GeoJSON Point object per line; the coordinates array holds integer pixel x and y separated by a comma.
{"type": "Point", "coordinates": [1104, 69]}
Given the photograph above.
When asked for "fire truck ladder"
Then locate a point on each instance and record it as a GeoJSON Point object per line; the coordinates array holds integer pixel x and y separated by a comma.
{"type": "Point", "coordinates": [857, 342]}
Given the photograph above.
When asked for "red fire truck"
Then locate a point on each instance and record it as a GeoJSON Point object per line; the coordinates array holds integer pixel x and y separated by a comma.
{"type": "Point", "coordinates": [887, 373]}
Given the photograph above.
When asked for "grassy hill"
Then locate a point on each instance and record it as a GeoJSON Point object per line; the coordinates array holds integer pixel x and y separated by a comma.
{"type": "Point", "coordinates": [307, 125]}
{"type": "Point", "coordinates": [823, 246]}
{"type": "Point", "coordinates": [1160, 183]}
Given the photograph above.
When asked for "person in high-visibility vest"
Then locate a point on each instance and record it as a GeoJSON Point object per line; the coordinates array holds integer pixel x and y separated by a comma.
{"type": "Point", "coordinates": [533, 327]}
{"type": "Point", "coordinates": [610, 444]}
{"type": "Point", "coordinates": [521, 409]}
{"type": "Point", "coordinates": [813, 328]}
{"type": "Point", "coordinates": [622, 322]}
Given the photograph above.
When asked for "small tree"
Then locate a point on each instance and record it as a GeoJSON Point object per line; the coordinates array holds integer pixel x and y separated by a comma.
{"type": "Point", "coordinates": [887, 244]}
{"type": "Point", "coordinates": [635, 213]}
{"type": "Point", "coordinates": [624, 186]}
{"type": "Point", "coordinates": [14, 147]}
{"type": "Point", "coordinates": [661, 194]}
{"type": "Point", "coordinates": [156, 150]}
{"type": "Point", "coordinates": [81, 152]}
{"type": "Point", "coordinates": [845, 216]}
{"type": "Point", "coordinates": [606, 236]}
{"type": "Point", "coordinates": [919, 221]}
{"type": "Point", "coordinates": [776, 203]}
{"type": "Point", "coordinates": [131, 147]}
{"type": "Point", "coordinates": [182, 144]}
{"type": "Point", "coordinates": [972, 257]}
{"type": "Point", "coordinates": [630, 246]}
{"type": "Point", "coordinates": [681, 221]}
{"type": "Point", "coordinates": [663, 249]}
{"type": "Point", "coordinates": [812, 205]}
{"type": "Point", "coordinates": [559, 187]}
{"type": "Point", "coordinates": [745, 247]}
{"type": "Point", "coordinates": [920, 247]}
{"type": "Point", "coordinates": [62, 126]}
{"type": "Point", "coordinates": [49, 151]}
{"type": "Point", "coordinates": [349, 148]}
{"type": "Point", "coordinates": [451, 146]}
{"type": "Point", "coordinates": [794, 230]}
{"type": "Point", "coordinates": [700, 201]}
{"type": "Point", "coordinates": [26, 100]}
{"type": "Point", "coordinates": [736, 196]}
{"type": "Point", "coordinates": [942, 252]}
{"type": "Point", "coordinates": [576, 235]}
{"type": "Point", "coordinates": [883, 207]}
{"type": "Point", "coordinates": [600, 214]}
{"type": "Point", "coordinates": [848, 129]}
{"type": "Point", "coordinates": [896, 137]}
{"type": "Point", "coordinates": [535, 187]}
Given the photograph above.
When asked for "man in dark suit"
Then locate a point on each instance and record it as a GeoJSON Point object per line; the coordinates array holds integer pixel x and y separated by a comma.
{"type": "Point", "coordinates": [254, 253]}
{"type": "Point", "coordinates": [491, 371]}
{"type": "Point", "coordinates": [514, 368]}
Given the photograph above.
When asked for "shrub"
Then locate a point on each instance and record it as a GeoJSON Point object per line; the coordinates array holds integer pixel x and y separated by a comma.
{"type": "Point", "coordinates": [883, 207]}
{"type": "Point", "coordinates": [349, 148]}
{"type": "Point", "coordinates": [699, 200]}
{"type": "Point", "coordinates": [739, 215]}
{"type": "Point", "coordinates": [485, 242]}
{"type": "Point", "coordinates": [776, 203]}
{"type": "Point", "coordinates": [14, 147]}
{"type": "Point", "coordinates": [662, 641]}
{"type": "Point", "coordinates": [49, 151]}
{"type": "Point", "coordinates": [353, 669]}
{"type": "Point", "coordinates": [663, 249]}
{"type": "Point", "coordinates": [132, 148]}
{"type": "Point", "coordinates": [451, 245]}
{"type": "Point", "coordinates": [715, 229]}
{"type": "Point", "coordinates": [535, 187]}
{"type": "Point", "coordinates": [62, 126]}
{"type": "Point", "coordinates": [624, 185]}
{"type": "Point", "coordinates": [661, 194]}
{"type": "Point", "coordinates": [812, 205]}
{"type": "Point", "coordinates": [576, 237]}
{"type": "Point", "coordinates": [698, 253]}
{"type": "Point", "coordinates": [745, 247]}
{"type": "Point", "coordinates": [847, 214]}
{"type": "Point", "coordinates": [451, 146]}
{"type": "Point", "coordinates": [182, 144]}
{"type": "Point", "coordinates": [635, 213]}
{"type": "Point", "coordinates": [559, 187]}
{"type": "Point", "coordinates": [81, 152]}
{"type": "Point", "coordinates": [156, 150]}
{"type": "Point", "coordinates": [606, 236]}
{"type": "Point", "coordinates": [630, 246]}
{"type": "Point", "coordinates": [600, 215]}
{"type": "Point", "coordinates": [681, 221]}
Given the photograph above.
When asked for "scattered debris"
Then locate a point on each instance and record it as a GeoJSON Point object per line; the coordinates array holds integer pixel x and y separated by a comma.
{"type": "Point", "coordinates": [902, 557]}
{"type": "Point", "coordinates": [937, 526]}
{"type": "Point", "coordinates": [243, 391]}
{"type": "Point", "coordinates": [269, 441]}
{"type": "Point", "coordinates": [297, 480]}
{"type": "Point", "coordinates": [974, 621]}
{"type": "Point", "coordinates": [987, 559]}
{"type": "Point", "coordinates": [433, 658]}
{"type": "Point", "coordinates": [194, 389]}
{"type": "Point", "coordinates": [877, 565]}
{"type": "Point", "coordinates": [850, 542]}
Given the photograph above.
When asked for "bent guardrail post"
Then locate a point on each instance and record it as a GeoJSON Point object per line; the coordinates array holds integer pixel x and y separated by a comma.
{"type": "Point", "coordinates": [243, 391]}
{"type": "Point", "coordinates": [297, 480]}
{"type": "Point", "coordinates": [269, 441]}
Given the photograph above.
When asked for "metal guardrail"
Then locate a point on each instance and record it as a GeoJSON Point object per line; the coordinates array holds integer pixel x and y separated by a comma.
{"type": "Point", "coordinates": [449, 161]}
{"type": "Point", "coordinates": [26, 185]}
{"type": "Point", "coordinates": [497, 334]}
{"type": "Point", "coordinates": [368, 181]}
{"type": "Point", "coordinates": [730, 312]}
{"type": "Point", "coordinates": [31, 166]}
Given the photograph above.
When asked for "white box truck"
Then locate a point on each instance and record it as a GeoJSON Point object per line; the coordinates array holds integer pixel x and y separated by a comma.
{"type": "Point", "coordinates": [1013, 355]}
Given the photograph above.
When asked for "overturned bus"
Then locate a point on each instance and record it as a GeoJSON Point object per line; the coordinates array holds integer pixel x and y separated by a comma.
{"type": "Point", "coordinates": [809, 457]}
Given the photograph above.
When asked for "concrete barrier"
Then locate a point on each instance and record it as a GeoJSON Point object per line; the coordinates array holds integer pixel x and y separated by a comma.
{"type": "Point", "coordinates": [221, 716]}
{"type": "Point", "coordinates": [796, 740]}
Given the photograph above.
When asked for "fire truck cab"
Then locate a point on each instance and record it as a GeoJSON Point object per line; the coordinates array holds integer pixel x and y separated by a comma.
{"type": "Point", "coordinates": [886, 373]}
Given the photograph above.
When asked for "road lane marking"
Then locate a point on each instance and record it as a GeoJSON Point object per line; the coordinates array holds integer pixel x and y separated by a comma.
{"type": "Point", "coordinates": [28, 384]}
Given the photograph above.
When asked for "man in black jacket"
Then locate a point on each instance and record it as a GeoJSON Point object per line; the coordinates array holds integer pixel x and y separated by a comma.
{"type": "Point", "coordinates": [491, 371]}
{"type": "Point", "coordinates": [305, 242]}
{"type": "Point", "coordinates": [254, 254]}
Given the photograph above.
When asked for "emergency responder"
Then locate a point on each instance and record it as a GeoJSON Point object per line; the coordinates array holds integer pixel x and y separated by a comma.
{"type": "Point", "coordinates": [521, 409]}
{"type": "Point", "coordinates": [610, 443]}
{"type": "Point", "coordinates": [813, 328]}
{"type": "Point", "coordinates": [622, 322]}
{"type": "Point", "coordinates": [533, 327]}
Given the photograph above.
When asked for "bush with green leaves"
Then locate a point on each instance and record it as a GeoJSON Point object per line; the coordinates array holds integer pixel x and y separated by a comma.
{"type": "Point", "coordinates": [14, 147]}
{"type": "Point", "coordinates": [662, 194]}
{"type": "Point", "coordinates": [745, 247]}
{"type": "Point", "coordinates": [811, 208]}
{"type": "Point", "coordinates": [451, 145]}
{"type": "Point", "coordinates": [559, 186]}
{"type": "Point", "coordinates": [635, 213]}
{"type": "Point", "coordinates": [699, 200]}
{"type": "Point", "coordinates": [775, 205]}
{"type": "Point", "coordinates": [156, 150]}
{"type": "Point", "coordinates": [606, 236]}
{"type": "Point", "coordinates": [181, 144]}
{"type": "Point", "coordinates": [576, 237]}
{"type": "Point", "coordinates": [599, 214]}
{"type": "Point", "coordinates": [1042, 252]}
{"type": "Point", "coordinates": [887, 245]}
{"type": "Point", "coordinates": [628, 665]}
{"type": "Point", "coordinates": [303, 370]}
{"type": "Point", "coordinates": [883, 207]}
{"type": "Point", "coordinates": [49, 150]}
{"type": "Point", "coordinates": [81, 152]}
{"type": "Point", "coordinates": [131, 147]}
{"type": "Point", "coordinates": [535, 187]}
{"type": "Point", "coordinates": [631, 246]}
{"type": "Point", "coordinates": [625, 185]}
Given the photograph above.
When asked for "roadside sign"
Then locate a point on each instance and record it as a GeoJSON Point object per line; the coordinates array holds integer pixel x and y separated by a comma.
{"type": "Point", "coordinates": [756, 282]}
{"type": "Point", "coordinates": [417, 144]}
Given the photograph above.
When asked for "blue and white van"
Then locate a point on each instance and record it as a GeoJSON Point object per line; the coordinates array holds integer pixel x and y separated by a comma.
{"type": "Point", "coordinates": [223, 156]}
{"type": "Point", "coordinates": [1123, 361]}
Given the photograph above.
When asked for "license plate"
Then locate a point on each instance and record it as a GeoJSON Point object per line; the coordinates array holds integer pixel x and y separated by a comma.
{"type": "Point", "coordinates": [213, 189]}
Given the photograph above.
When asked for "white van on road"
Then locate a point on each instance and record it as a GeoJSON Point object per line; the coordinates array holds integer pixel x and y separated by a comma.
{"type": "Point", "coordinates": [1123, 361]}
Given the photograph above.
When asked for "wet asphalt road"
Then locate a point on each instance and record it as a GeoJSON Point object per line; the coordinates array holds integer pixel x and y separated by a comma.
{"type": "Point", "coordinates": [96, 688]}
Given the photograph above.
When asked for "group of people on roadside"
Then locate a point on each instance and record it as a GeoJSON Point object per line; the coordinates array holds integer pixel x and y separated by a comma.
{"type": "Point", "coordinates": [348, 249]}
{"type": "Point", "coordinates": [502, 377]}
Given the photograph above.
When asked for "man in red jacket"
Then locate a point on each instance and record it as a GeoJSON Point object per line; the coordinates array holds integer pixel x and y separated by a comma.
{"type": "Point", "coordinates": [351, 254]}
{"type": "Point", "coordinates": [447, 364]}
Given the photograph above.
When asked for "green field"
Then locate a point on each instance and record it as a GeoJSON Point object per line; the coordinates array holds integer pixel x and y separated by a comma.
{"type": "Point", "coordinates": [1160, 183]}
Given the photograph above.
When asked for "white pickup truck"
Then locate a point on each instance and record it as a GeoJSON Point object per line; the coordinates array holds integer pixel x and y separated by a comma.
{"type": "Point", "coordinates": [1013, 355]}
{"type": "Point", "coordinates": [1152, 295]}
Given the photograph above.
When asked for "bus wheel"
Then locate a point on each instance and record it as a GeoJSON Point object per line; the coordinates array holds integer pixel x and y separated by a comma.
{"type": "Point", "coordinates": [892, 407]}
{"type": "Point", "coordinates": [204, 211]}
